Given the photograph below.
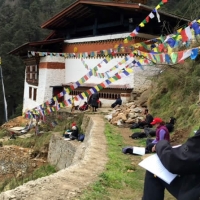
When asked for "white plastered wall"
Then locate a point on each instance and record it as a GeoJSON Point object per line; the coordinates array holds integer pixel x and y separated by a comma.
{"type": "Point", "coordinates": [47, 78]}
{"type": "Point", "coordinates": [75, 70]}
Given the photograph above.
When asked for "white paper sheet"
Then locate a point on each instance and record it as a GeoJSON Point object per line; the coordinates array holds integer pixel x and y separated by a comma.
{"type": "Point", "coordinates": [154, 165]}
{"type": "Point", "coordinates": [139, 150]}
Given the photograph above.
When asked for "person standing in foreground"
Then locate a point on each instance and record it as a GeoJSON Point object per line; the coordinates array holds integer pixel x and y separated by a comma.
{"type": "Point", "coordinates": [184, 161]}
{"type": "Point", "coordinates": [162, 133]}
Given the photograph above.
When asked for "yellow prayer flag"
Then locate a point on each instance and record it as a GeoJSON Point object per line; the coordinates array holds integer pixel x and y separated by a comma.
{"type": "Point", "coordinates": [96, 88]}
{"type": "Point", "coordinates": [80, 81]}
{"type": "Point", "coordinates": [129, 70]}
{"type": "Point", "coordinates": [157, 7]}
{"type": "Point", "coordinates": [67, 90]}
{"type": "Point", "coordinates": [105, 52]}
{"type": "Point", "coordinates": [55, 98]}
{"type": "Point", "coordinates": [111, 80]}
{"type": "Point", "coordinates": [83, 94]}
{"type": "Point", "coordinates": [141, 24]}
{"type": "Point", "coordinates": [61, 105]}
{"type": "Point", "coordinates": [169, 49]}
{"type": "Point", "coordinates": [198, 20]}
{"type": "Point", "coordinates": [155, 49]}
{"type": "Point", "coordinates": [123, 61]}
{"type": "Point", "coordinates": [141, 60]}
{"type": "Point", "coordinates": [144, 54]}
{"type": "Point", "coordinates": [125, 41]}
{"type": "Point", "coordinates": [179, 30]}
{"type": "Point", "coordinates": [179, 37]}
{"type": "Point", "coordinates": [134, 51]}
{"type": "Point", "coordinates": [108, 58]}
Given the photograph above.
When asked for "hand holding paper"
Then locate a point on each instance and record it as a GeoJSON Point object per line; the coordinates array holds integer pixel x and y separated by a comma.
{"type": "Point", "coordinates": [154, 165]}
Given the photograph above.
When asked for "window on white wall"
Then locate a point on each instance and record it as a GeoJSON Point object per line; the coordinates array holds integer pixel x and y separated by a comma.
{"type": "Point", "coordinates": [33, 93]}
{"type": "Point", "coordinates": [30, 92]}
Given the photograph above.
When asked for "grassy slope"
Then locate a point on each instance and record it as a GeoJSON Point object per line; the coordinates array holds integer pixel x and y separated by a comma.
{"type": "Point", "coordinates": [175, 92]}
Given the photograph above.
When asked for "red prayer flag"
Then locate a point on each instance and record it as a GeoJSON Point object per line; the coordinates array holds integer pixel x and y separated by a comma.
{"type": "Point", "coordinates": [72, 87]}
{"type": "Point", "coordinates": [76, 98]}
{"type": "Point", "coordinates": [147, 19]}
{"type": "Point", "coordinates": [102, 85]}
{"type": "Point", "coordinates": [184, 36]}
{"type": "Point", "coordinates": [65, 102]}
{"type": "Point", "coordinates": [89, 92]}
{"type": "Point", "coordinates": [85, 77]}
{"type": "Point", "coordinates": [118, 76]}
{"type": "Point", "coordinates": [180, 55]}
{"type": "Point", "coordinates": [132, 34]}
{"type": "Point", "coordinates": [164, 1]}
{"type": "Point", "coordinates": [161, 47]}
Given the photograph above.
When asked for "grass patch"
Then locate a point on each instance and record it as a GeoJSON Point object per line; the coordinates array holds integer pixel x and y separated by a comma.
{"type": "Point", "coordinates": [121, 174]}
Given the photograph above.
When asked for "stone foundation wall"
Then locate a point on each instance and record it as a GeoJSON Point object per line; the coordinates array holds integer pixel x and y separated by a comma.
{"type": "Point", "coordinates": [61, 152]}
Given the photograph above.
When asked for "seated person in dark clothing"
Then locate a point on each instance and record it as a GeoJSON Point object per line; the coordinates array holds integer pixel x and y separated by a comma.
{"type": "Point", "coordinates": [84, 106]}
{"type": "Point", "coordinates": [145, 123]}
{"type": "Point", "coordinates": [117, 102]}
{"type": "Point", "coordinates": [184, 161]}
{"type": "Point", "coordinates": [73, 133]}
{"type": "Point", "coordinates": [170, 124]}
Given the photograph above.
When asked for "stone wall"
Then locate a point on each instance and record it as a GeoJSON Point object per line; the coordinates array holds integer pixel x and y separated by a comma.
{"type": "Point", "coordinates": [143, 78]}
{"type": "Point", "coordinates": [61, 152]}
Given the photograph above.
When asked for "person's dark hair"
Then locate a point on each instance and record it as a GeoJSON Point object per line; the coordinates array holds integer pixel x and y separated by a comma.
{"type": "Point", "coordinates": [162, 123]}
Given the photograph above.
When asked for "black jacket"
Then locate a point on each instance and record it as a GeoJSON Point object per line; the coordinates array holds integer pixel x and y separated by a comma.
{"type": "Point", "coordinates": [184, 161]}
{"type": "Point", "coordinates": [149, 118]}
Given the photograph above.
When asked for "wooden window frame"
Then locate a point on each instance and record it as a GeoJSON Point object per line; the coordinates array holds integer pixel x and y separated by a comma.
{"type": "Point", "coordinates": [32, 74]}
{"type": "Point", "coordinates": [30, 92]}
{"type": "Point", "coordinates": [34, 94]}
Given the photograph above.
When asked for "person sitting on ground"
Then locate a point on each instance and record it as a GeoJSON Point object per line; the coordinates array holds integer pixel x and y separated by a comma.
{"type": "Point", "coordinates": [12, 135]}
{"type": "Point", "coordinates": [162, 133]}
{"type": "Point", "coordinates": [72, 134]}
{"type": "Point", "coordinates": [84, 106]}
{"type": "Point", "coordinates": [145, 123]}
{"type": "Point", "coordinates": [117, 102]}
{"type": "Point", "coordinates": [170, 124]}
{"type": "Point", "coordinates": [184, 161]}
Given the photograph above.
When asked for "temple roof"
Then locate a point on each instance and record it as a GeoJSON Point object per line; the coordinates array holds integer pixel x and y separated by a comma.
{"type": "Point", "coordinates": [54, 45]}
{"type": "Point", "coordinates": [86, 9]}
{"type": "Point", "coordinates": [86, 18]}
